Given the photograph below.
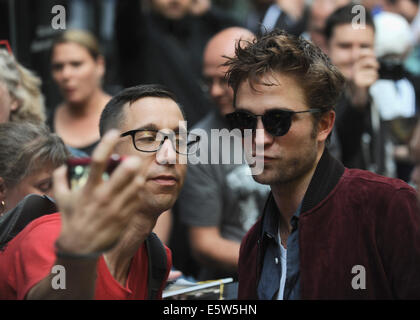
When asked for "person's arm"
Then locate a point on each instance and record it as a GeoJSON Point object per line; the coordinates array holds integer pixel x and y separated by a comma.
{"type": "Point", "coordinates": [350, 125]}
{"type": "Point", "coordinates": [353, 110]}
{"type": "Point", "coordinates": [212, 250]}
{"type": "Point", "coordinates": [92, 221]}
{"type": "Point", "coordinates": [201, 209]}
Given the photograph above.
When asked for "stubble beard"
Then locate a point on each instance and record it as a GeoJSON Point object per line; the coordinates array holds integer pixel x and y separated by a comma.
{"type": "Point", "coordinates": [286, 171]}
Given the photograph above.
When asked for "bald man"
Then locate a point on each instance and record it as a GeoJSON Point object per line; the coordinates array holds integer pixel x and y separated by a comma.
{"type": "Point", "coordinates": [219, 202]}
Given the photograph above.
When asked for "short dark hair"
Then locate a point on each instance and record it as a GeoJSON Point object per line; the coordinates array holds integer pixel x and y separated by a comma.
{"type": "Point", "coordinates": [113, 113]}
{"type": "Point", "coordinates": [279, 51]}
{"type": "Point", "coordinates": [25, 148]}
{"type": "Point", "coordinates": [344, 15]}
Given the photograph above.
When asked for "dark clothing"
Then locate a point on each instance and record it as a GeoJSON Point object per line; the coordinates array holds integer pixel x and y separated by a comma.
{"type": "Point", "coordinates": [153, 49]}
{"type": "Point", "coordinates": [349, 218]}
{"type": "Point", "coordinates": [272, 271]}
{"type": "Point", "coordinates": [350, 125]}
{"type": "Point", "coordinates": [76, 152]}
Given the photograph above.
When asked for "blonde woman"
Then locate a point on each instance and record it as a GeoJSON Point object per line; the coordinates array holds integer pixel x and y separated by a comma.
{"type": "Point", "coordinates": [20, 95]}
{"type": "Point", "coordinates": [78, 69]}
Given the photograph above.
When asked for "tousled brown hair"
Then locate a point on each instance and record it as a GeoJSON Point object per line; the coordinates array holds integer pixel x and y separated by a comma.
{"type": "Point", "coordinates": [279, 52]}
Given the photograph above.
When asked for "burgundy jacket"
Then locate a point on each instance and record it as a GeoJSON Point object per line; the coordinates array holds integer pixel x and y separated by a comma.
{"type": "Point", "coordinates": [349, 218]}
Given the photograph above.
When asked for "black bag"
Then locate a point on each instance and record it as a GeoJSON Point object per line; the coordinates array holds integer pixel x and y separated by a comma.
{"type": "Point", "coordinates": [34, 206]}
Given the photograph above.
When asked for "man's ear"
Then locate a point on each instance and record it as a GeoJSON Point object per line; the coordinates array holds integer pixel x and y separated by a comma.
{"type": "Point", "coordinates": [325, 125]}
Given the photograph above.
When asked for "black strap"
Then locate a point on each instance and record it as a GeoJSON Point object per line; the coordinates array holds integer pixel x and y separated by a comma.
{"type": "Point", "coordinates": [28, 209]}
{"type": "Point", "coordinates": [157, 265]}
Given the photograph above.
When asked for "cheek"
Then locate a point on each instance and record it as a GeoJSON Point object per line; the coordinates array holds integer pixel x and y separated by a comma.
{"type": "Point", "coordinates": [18, 193]}
{"type": "Point", "coordinates": [89, 76]}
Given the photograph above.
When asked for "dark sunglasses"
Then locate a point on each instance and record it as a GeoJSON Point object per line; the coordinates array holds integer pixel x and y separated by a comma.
{"type": "Point", "coordinates": [276, 122]}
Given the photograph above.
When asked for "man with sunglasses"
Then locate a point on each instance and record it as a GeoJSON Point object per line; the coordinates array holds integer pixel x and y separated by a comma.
{"type": "Point", "coordinates": [98, 239]}
{"type": "Point", "coordinates": [327, 232]}
{"type": "Point", "coordinates": [230, 201]}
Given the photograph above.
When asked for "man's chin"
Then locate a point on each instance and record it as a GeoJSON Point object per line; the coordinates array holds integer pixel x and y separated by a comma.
{"type": "Point", "coordinates": [263, 178]}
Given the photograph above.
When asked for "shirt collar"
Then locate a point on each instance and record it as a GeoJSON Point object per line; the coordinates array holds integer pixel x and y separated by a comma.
{"type": "Point", "coordinates": [271, 218]}
{"type": "Point", "coordinates": [326, 176]}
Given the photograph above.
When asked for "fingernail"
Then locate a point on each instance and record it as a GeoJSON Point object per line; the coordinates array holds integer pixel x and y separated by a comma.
{"type": "Point", "coordinates": [111, 134]}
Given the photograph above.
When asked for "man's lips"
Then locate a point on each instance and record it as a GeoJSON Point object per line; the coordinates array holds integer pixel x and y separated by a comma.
{"type": "Point", "coordinates": [165, 180]}
{"type": "Point", "coordinates": [264, 158]}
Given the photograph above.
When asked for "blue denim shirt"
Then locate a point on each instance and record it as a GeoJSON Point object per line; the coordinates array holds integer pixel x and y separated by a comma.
{"type": "Point", "coordinates": [269, 283]}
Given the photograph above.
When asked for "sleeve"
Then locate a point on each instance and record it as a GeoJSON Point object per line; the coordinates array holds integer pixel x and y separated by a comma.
{"type": "Point", "coordinates": [399, 243]}
{"type": "Point", "coordinates": [350, 125]}
{"type": "Point", "coordinates": [34, 257]}
{"type": "Point", "coordinates": [201, 202]}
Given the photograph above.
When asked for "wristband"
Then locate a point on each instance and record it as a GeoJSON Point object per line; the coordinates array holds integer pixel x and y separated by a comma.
{"type": "Point", "coordinates": [68, 255]}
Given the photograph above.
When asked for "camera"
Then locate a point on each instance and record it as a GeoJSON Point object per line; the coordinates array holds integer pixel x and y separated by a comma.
{"type": "Point", "coordinates": [390, 69]}
{"type": "Point", "coordinates": [79, 169]}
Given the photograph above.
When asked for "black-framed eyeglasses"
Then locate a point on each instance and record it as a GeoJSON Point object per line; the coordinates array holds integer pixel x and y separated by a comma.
{"type": "Point", "coordinates": [146, 140]}
{"type": "Point", "coordinates": [277, 122]}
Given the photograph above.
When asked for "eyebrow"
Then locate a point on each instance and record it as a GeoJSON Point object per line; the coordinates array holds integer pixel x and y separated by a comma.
{"type": "Point", "coordinates": [153, 127]}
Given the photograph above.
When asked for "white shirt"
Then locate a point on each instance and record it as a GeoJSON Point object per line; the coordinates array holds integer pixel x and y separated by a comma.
{"type": "Point", "coordinates": [283, 261]}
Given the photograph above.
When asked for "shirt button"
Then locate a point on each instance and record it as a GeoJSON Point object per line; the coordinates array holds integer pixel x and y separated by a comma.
{"type": "Point", "coordinates": [276, 260]}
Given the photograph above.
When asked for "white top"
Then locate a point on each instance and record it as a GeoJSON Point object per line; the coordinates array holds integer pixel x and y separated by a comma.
{"type": "Point", "coordinates": [283, 260]}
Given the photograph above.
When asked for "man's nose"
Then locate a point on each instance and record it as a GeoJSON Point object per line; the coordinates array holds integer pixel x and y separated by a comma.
{"type": "Point", "coordinates": [166, 154]}
{"type": "Point", "coordinates": [262, 137]}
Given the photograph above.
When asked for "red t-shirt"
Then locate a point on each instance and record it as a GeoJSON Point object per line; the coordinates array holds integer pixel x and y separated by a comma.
{"type": "Point", "coordinates": [30, 256]}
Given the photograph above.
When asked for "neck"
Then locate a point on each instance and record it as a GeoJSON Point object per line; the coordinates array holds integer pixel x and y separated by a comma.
{"type": "Point", "coordinates": [93, 105]}
{"type": "Point", "coordinates": [118, 259]}
{"type": "Point", "coordinates": [288, 196]}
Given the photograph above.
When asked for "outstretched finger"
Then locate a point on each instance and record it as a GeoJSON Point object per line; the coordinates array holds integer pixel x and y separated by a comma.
{"type": "Point", "coordinates": [123, 175]}
{"type": "Point", "coordinates": [100, 157]}
{"type": "Point", "coordinates": [60, 185]}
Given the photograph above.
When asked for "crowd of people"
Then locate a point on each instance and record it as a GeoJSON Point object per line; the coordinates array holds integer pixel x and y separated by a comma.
{"type": "Point", "coordinates": [329, 89]}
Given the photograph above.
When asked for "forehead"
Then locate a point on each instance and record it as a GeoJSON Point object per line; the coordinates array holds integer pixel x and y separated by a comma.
{"type": "Point", "coordinates": [69, 50]}
{"type": "Point", "coordinates": [162, 113]}
{"type": "Point", "coordinates": [213, 62]}
{"type": "Point", "coordinates": [348, 33]}
{"type": "Point", "coordinates": [272, 92]}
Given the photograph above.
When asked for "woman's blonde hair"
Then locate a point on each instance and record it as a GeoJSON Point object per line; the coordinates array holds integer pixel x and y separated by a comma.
{"type": "Point", "coordinates": [24, 86]}
{"type": "Point", "coordinates": [82, 38]}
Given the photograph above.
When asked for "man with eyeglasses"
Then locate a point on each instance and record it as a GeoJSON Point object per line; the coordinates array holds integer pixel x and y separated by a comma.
{"type": "Point", "coordinates": [99, 236]}
{"type": "Point", "coordinates": [327, 232]}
